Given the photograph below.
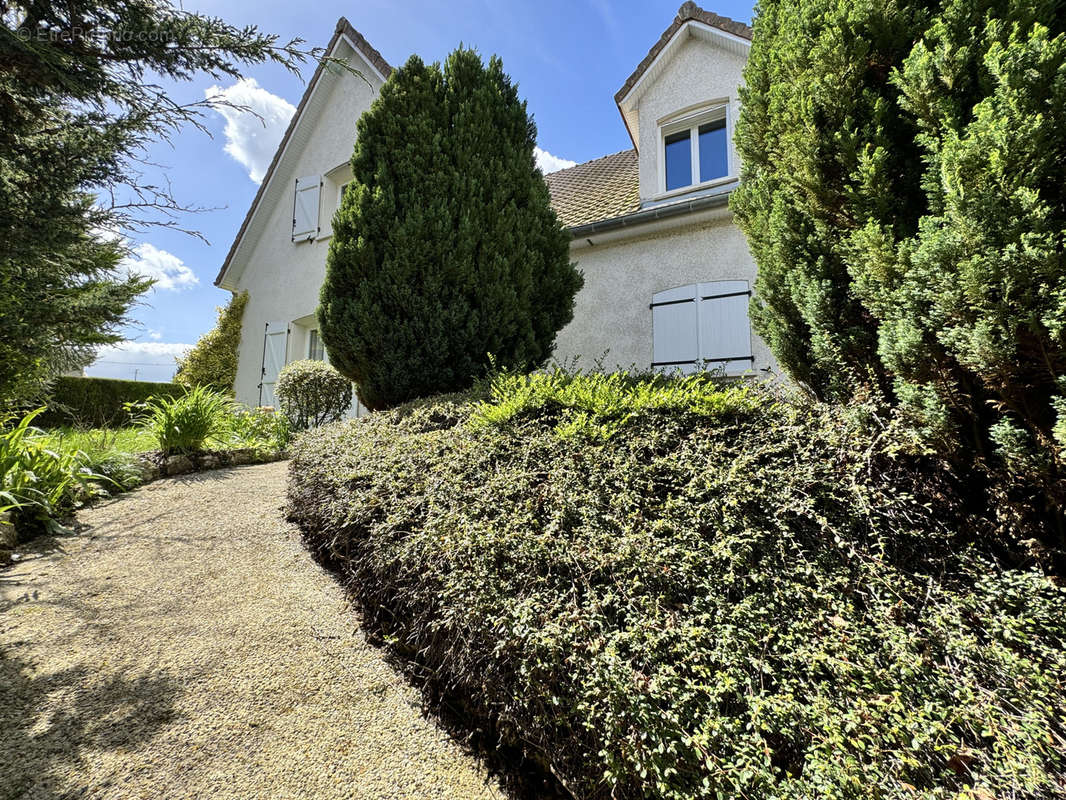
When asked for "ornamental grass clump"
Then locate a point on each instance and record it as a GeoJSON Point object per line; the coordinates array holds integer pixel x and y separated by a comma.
{"type": "Point", "coordinates": [662, 588]}
{"type": "Point", "coordinates": [185, 423]}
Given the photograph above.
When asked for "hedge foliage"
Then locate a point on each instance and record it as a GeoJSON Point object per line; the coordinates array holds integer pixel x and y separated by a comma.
{"type": "Point", "coordinates": [213, 361]}
{"type": "Point", "coordinates": [312, 393]}
{"type": "Point", "coordinates": [902, 194]}
{"type": "Point", "coordinates": [669, 590]}
{"type": "Point", "coordinates": [99, 402]}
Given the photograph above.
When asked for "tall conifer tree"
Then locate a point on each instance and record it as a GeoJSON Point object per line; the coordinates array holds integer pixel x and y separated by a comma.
{"type": "Point", "coordinates": [445, 248]}
{"type": "Point", "coordinates": [903, 196]}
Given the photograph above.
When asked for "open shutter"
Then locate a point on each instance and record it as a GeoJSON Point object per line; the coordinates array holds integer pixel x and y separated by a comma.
{"type": "Point", "coordinates": [275, 345]}
{"type": "Point", "coordinates": [305, 207]}
{"type": "Point", "coordinates": [725, 333]}
{"type": "Point", "coordinates": [674, 315]}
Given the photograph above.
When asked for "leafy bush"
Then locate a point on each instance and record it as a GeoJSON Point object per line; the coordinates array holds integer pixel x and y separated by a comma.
{"type": "Point", "coordinates": [312, 393]}
{"type": "Point", "coordinates": [213, 361]}
{"type": "Point", "coordinates": [252, 427]}
{"type": "Point", "coordinates": [598, 405]}
{"type": "Point", "coordinates": [722, 597]}
{"type": "Point", "coordinates": [445, 247]}
{"type": "Point", "coordinates": [39, 483]}
{"type": "Point", "coordinates": [186, 422]}
{"type": "Point", "coordinates": [108, 452]}
{"type": "Point", "coordinates": [99, 402]}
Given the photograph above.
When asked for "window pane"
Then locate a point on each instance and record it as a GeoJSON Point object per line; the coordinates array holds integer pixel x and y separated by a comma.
{"type": "Point", "coordinates": [678, 160]}
{"type": "Point", "coordinates": [714, 150]}
{"type": "Point", "coordinates": [317, 351]}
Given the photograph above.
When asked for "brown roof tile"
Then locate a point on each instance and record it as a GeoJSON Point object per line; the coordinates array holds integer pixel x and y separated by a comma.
{"type": "Point", "coordinates": [688, 11]}
{"type": "Point", "coordinates": [600, 189]}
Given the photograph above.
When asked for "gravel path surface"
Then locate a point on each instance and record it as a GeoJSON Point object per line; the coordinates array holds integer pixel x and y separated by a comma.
{"type": "Point", "coordinates": [186, 645]}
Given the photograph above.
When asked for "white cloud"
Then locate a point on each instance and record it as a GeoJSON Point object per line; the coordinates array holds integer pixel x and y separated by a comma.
{"type": "Point", "coordinates": [255, 127]}
{"type": "Point", "coordinates": [549, 163]}
{"type": "Point", "coordinates": [155, 335]}
{"type": "Point", "coordinates": [145, 361]}
{"type": "Point", "coordinates": [166, 269]}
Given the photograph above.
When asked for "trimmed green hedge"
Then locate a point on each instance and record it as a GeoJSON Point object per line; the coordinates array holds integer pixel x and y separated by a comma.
{"type": "Point", "coordinates": [668, 590]}
{"type": "Point", "coordinates": [98, 402]}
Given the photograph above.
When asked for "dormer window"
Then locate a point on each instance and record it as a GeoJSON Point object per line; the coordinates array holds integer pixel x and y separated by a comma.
{"type": "Point", "coordinates": [695, 149]}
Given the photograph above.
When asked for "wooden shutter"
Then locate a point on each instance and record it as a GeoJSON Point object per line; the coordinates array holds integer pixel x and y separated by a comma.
{"type": "Point", "coordinates": [275, 345]}
{"type": "Point", "coordinates": [675, 325]}
{"type": "Point", "coordinates": [305, 207]}
{"type": "Point", "coordinates": [702, 325]}
{"type": "Point", "coordinates": [725, 333]}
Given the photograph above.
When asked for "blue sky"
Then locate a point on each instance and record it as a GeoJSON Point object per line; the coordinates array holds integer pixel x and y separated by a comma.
{"type": "Point", "coordinates": [568, 58]}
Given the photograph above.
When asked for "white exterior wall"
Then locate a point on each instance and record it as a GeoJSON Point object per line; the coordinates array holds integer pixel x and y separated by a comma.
{"type": "Point", "coordinates": [622, 272]}
{"type": "Point", "coordinates": [283, 277]}
{"type": "Point", "coordinates": [612, 313]}
{"type": "Point", "coordinates": [698, 73]}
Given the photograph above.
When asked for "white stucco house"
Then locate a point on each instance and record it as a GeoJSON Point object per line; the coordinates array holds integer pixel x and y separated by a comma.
{"type": "Point", "coordinates": [668, 274]}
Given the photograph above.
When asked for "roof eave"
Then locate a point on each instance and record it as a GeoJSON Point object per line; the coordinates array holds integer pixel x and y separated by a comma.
{"type": "Point", "coordinates": [646, 215]}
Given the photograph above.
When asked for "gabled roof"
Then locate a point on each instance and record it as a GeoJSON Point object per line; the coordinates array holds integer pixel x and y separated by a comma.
{"type": "Point", "coordinates": [373, 57]}
{"type": "Point", "coordinates": [691, 20]}
{"type": "Point", "coordinates": [689, 12]}
{"type": "Point", "coordinates": [596, 190]}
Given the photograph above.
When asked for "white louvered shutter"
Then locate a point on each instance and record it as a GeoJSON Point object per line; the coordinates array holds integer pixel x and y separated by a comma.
{"type": "Point", "coordinates": [725, 333]}
{"type": "Point", "coordinates": [275, 345]}
{"type": "Point", "coordinates": [675, 326]}
{"type": "Point", "coordinates": [305, 207]}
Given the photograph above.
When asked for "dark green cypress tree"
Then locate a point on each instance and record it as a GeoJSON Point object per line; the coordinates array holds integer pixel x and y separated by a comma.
{"type": "Point", "coordinates": [445, 248]}
{"type": "Point", "coordinates": [823, 148]}
{"type": "Point", "coordinates": [903, 196]}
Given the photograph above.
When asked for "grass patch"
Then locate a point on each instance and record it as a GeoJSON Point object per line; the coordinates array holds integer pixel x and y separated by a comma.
{"type": "Point", "coordinates": [672, 589]}
{"type": "Point", "coordinates": [99, 441]}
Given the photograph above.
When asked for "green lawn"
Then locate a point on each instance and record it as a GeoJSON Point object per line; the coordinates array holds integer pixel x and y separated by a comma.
{"type": "Point", "coordinates": [97, 441]}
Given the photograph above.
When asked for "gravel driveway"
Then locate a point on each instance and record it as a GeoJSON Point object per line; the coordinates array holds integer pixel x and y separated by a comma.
{"type": "Point", "coordinates": [186, 645]}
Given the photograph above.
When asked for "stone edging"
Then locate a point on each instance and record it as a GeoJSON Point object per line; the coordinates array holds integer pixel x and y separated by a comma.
{"type": "Point", "coordinates": [156, 465]}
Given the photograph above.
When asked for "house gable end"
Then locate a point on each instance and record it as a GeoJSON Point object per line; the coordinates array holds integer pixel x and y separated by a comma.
{"type": "Point", "coordinates": [348, 44]}
{"type": "Point", "coordinates": [691, 22]}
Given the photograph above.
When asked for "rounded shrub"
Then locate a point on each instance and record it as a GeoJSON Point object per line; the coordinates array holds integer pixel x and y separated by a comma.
{"type": "Point", "coordinates": [312, 393]}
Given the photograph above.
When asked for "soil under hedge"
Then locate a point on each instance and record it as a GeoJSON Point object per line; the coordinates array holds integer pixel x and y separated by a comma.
{"type": "Point", "coordinates": [667, 590]}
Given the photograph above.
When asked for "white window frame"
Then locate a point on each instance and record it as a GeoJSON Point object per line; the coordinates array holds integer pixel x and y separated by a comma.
{"type": "Point", "coordinates": [691, 120]}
